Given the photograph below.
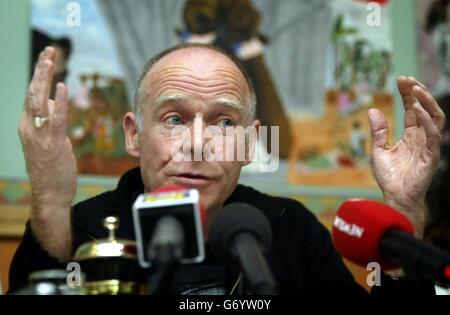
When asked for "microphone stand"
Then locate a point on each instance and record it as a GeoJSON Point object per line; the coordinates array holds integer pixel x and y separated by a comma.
{"type": "Point", "coordinates": [254, 266]}
{"type": "Point", "coordinates": [165, 251]}
{"type": "Point", "coordinates": [161, 282]}
{"type": "Point", "coordinates": [416, 265]}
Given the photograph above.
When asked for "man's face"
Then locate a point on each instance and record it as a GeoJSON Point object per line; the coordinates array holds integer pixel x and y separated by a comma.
{"type": "Point", "coordinates": [184, 93]}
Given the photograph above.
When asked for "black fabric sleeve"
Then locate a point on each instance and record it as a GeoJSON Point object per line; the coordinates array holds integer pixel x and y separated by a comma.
{"type": "Point", "coordinates": [29, 257]}
{"type": "Point", "coordinates": [303, 257]}
{"type": "Point", "coordinates": [324, 271]}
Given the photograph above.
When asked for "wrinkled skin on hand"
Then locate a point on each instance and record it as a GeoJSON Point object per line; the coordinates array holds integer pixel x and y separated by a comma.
{"type": "Point", "coordinates": [404, 170]}
{"type": "Point", "coordinates": [49, 157]}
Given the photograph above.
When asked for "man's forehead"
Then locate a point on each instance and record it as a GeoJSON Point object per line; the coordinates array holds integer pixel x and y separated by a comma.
{"type": "Point", "coordinates": [201, 75]}
{"type": "Point", "coordinates": [199, 60]}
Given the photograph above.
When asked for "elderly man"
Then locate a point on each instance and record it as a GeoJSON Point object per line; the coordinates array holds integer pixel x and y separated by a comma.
{"type": "Point", "coordinates": [197, 86]}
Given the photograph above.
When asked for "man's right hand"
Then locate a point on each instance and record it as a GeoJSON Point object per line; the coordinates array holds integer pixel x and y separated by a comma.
{"type": "Point", "coordinates": [50, 160]}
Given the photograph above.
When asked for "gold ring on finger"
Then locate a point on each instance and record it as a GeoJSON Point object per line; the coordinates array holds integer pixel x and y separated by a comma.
{"type": "Point", "coordinates": [40, 121]}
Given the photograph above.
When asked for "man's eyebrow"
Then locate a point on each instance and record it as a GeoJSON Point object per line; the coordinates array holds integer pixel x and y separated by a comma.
{"type": "Point", "coordinates": [227, 101]}
{"type": "Point", "coordinates": [177, 97]}
{"type": "Point", "coordinates": [172, 97]}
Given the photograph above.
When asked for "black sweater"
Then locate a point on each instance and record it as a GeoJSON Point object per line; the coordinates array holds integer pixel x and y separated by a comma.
{"type": "Point", "coordinates": [302, 257]}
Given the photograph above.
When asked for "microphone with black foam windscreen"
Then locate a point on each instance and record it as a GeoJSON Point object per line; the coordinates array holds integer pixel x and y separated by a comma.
{"type": "Point", "coordinates": [366, 231]}
{"type": "Point", "coordinates": [168, 225]}
{"type": "Point", "coordinates": [241, 233]}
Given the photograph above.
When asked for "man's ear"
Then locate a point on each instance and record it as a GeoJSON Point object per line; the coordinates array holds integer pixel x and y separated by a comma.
{"type": "Point", "coordinates": [251, 139]}
{"type": "Point", "coordinates": [131, 135]}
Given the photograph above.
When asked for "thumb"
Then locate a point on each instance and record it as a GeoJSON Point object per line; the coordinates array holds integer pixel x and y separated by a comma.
{"type": "Point", "coordinates": [378, 128]}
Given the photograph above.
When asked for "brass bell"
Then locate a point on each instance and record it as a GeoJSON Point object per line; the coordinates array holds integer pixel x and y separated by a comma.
{"type": "Point", "coordinates": [111, 224]}
{"type": "Point", "coordinates": [110, 264]}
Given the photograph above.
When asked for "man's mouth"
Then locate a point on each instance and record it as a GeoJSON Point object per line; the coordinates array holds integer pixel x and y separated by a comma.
{"type": "Point", "coordinates": [191, 179]}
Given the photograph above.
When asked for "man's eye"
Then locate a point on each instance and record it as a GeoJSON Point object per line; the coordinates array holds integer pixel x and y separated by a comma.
{"type": "Point", "coordinates": [174, 120]}
{"type": "Point", "coordinates": [227, 122]}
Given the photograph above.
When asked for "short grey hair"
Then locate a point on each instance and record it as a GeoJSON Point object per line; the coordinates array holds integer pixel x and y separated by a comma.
{"type": "Point", "coordinates": [138, 94]}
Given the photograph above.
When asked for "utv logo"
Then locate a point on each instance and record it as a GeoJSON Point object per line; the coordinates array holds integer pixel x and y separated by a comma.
{"type": "Point", "coordinates": [348, 228]}
{"type": "Point", "coordinates": [167, 196]}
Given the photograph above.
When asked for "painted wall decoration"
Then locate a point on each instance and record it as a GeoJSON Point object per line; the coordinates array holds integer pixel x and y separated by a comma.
{"type": "Point", "coordinates": [317, 67]}
{"type": "Point", "coordinates": [87, 62]}
{"type": "Point", "coordinates": [433, 40]}
{"type": "Point", "coordinates": [333, 148]}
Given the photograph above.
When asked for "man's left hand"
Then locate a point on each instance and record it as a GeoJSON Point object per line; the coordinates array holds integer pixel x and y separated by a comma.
{"type": "Point", "coordinates": [404, 170]}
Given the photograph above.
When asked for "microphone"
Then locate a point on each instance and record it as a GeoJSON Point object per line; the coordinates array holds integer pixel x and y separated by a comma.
{"type": "Point", "coordinates": [168, 228]}
{"type": "Point", "coordinates": [241, 232]}
{"type": "Point", "coordinates": [367, 231]}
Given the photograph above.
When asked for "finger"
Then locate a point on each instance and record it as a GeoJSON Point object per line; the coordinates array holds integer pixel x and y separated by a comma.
{"type": "Point", "coordinates": [39, 90]}
{"type": "Point", "coordinates": [58, 115]}
{"type": "Point", "coordinates": [378, 128]}
{"type": "Point", "coordinates": [405, 85]}
{"type": "Point", "coordinates": [430, 105]}
{"type": "Point", "coordinates": [431, 130]}
{"type": "Point", "coordinates": [49, 63]}
{"type": "Point", "coordinates": [411, 118]}
{"type": "Point", "coordinates": [423, 86]}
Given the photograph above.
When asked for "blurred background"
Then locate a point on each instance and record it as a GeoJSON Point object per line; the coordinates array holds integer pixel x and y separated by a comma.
{"type": "Point", "coordinates": [320, 65]}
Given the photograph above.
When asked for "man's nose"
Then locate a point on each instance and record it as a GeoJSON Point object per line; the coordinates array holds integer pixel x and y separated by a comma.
{"type": "Point", "coordinates": [197, 138]}
{"type": "Point", "coordinates": [197, 129]}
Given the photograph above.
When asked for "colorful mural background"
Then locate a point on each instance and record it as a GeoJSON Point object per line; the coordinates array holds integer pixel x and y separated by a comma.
{"type": "Point", "coordinates": [321, 67]}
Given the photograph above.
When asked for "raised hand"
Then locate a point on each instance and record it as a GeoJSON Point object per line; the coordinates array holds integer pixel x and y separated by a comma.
{"type": "Point", "coordinates": [404, 170]}
{"type": "Point", "coordinates": [49, 157]}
